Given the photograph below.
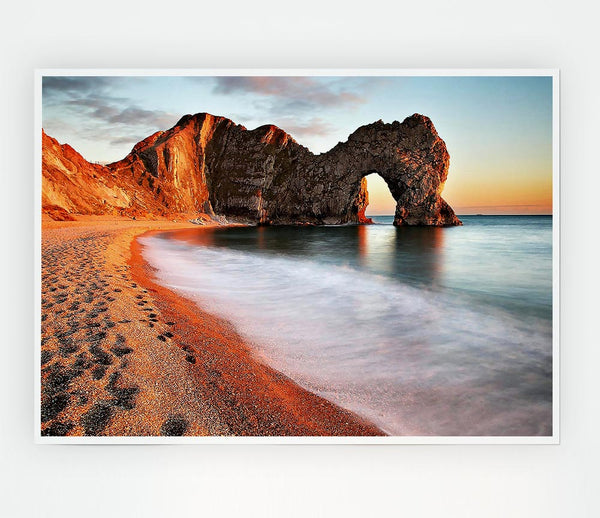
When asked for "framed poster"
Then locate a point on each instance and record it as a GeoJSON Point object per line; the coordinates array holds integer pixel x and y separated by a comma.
{"type": "Point", "coordinates": [355, 256]}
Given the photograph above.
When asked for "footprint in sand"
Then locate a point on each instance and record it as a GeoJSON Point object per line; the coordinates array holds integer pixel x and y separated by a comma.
{"type": "Point", "coordinates": [174, 426]}
{"type": "Point", "coordinates": [95, 420]}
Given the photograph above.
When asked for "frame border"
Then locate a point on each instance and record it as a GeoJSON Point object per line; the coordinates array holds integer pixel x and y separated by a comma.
{"type": "Point", "coordinates": [554, 73]}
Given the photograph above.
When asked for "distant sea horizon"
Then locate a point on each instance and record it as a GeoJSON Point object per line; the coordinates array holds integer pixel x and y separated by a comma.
{"type": "Point", "coordinates": [461, 215]}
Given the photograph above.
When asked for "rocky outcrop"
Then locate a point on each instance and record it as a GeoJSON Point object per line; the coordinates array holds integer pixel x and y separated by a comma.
{"type": "Point", "coordinates": [362, 202]}
{"type": "Point", "coordinates": [72, 185]}
{"type": "Point", "coordinates": [208, 164]}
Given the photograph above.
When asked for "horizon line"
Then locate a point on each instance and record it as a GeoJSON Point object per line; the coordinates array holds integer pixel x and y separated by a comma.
{"type": "Point", "coordinates": [461, 215]}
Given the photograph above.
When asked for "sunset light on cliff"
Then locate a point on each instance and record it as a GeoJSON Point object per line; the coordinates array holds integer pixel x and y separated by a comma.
{"type": "Point", "coordinates": [341, 239]}
{"type": "Point", "coordinates": [498, 130]}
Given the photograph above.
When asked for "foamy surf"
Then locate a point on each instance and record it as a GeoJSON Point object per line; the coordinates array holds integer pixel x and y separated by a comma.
{"type": "Point", "coordinates": [413, 361]}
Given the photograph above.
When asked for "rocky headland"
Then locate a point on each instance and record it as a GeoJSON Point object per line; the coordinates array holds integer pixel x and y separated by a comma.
{"type": "Point", "coordinates": [210, 165]}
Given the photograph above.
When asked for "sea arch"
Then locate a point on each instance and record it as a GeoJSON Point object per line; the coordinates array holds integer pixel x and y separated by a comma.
{"type": "Point", "coordinates": [379, 199]}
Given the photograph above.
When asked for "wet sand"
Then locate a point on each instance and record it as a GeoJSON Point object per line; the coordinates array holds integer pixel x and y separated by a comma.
{"type": "Point", "coordinates": [123, 356]}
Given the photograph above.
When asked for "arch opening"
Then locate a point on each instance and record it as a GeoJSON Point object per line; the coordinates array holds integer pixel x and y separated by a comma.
{"type": "Point", "coordinates": [380, 201]}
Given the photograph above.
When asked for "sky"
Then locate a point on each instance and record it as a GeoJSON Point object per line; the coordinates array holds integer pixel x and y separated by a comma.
{"type": "Point", "coordinates": [498, 130]}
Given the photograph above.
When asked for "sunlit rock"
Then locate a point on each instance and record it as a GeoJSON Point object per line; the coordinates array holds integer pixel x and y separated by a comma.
{"type": "Point", "coordinates": [210, 165]}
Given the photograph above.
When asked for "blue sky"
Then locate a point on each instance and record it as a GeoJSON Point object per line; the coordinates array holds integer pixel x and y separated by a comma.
{"type": "Point", "coordinates": [498, 130]}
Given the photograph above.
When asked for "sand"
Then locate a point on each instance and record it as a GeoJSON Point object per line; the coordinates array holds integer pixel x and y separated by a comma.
{"type": "Point", "coordinates": [124, 356]}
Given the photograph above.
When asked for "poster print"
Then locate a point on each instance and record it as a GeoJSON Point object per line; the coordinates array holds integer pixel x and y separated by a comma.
{"type": "Point", "coordinates": [357, 256]}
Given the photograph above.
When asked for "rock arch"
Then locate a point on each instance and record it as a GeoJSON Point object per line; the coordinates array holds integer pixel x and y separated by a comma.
{"type": "Point", "coordinates": [292, 185]}
{"type": "Point", "coordinates": [207, 163]}
{"type": "Point", "coordinates": [330, 188]}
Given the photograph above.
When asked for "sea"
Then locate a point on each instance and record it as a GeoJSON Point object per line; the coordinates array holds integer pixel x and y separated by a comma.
{"type": "Point", "coordinates": [422, 331]}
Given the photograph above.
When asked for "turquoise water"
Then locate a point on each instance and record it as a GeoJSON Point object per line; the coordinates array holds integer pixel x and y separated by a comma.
{"type": "Point", "coordinates": [424, 331]}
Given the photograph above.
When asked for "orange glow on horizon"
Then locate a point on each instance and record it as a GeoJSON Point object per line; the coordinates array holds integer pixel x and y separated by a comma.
{"type": "Point", "coordinates": [496, 193]}
{"type": "Point", "coordinates": [478, 194]}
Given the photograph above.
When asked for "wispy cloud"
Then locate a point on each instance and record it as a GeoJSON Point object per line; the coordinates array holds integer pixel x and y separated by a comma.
{"type": "Point", "coordinates": [114, 113]}
{"type": "Point", "coordinates": [127, 139]}
{"type": "Point", "coordinates": [290, 94]}
{"type": "Point", "coordinates": [96, 109]}
{"type": "Point", "coordinates": [315, 126]}
{"type": "Point", "coordinates": [302, 106]}
{"type": "Point", "coordinates": [60, 86]}
{"type": "Point", "coordinates": [138, 116]}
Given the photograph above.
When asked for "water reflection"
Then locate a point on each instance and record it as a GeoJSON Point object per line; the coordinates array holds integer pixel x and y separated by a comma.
{"type": "Point", "coordinates": [413, 253]}
{"type": "Point", "coordinates": [363, 242]}
{"type": "Point", "coordinates": [260, 237]}
{"type": "Point", "coordinates": [420, 252]}
{"type": "Point", "coordinates": [203, 236]}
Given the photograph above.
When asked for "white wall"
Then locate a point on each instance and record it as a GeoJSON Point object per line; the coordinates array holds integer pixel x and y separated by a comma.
{"type": "Point", "coordinates": [449, 481]}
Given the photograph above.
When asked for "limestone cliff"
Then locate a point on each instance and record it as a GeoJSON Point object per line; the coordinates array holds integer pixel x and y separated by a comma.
{"type": "Point", "coordinates": [207, 163]}
{"type": "Point", "coordinates": [72, 185]}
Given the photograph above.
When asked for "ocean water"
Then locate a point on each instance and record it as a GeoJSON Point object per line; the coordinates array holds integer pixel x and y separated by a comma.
{"type": "Point", "coordinates": [423, 331]}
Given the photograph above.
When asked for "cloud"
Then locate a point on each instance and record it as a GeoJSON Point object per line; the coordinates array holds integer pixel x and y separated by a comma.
{"type": "Point", "coordinates": [311, 128]}
{"type": "Point", "coordinates": [90, 108]}
{"type": "Point", "coordinates": [305, 107]}
{"type": "Point", "coordinates": [128, 139]}
{"type": "Point", "coordinates": [111, 110]}
{"type": "Point", "coordinates": [138, 116]}
{"type": "Point", "coordinates": [290, 94]}
{"type": "Point", "coordinates": [112, 113]}
{"type": "Point", "coordinates": [75, 84]}
{"type": "Point", "coordinates": [57, 90]}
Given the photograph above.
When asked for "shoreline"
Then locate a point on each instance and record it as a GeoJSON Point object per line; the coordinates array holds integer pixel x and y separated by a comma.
{"type": "Point", "coordinates": [173, 369]}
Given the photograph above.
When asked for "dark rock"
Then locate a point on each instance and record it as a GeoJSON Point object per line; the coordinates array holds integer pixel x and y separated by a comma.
{"type": "Point", "coordinates": [262, 176]}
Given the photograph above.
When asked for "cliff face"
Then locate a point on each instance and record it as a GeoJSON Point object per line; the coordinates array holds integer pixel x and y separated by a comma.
{"type": "Point", "coordinates": [72, 185]}
{"type": "Point", "coordinates": [207, 163]}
